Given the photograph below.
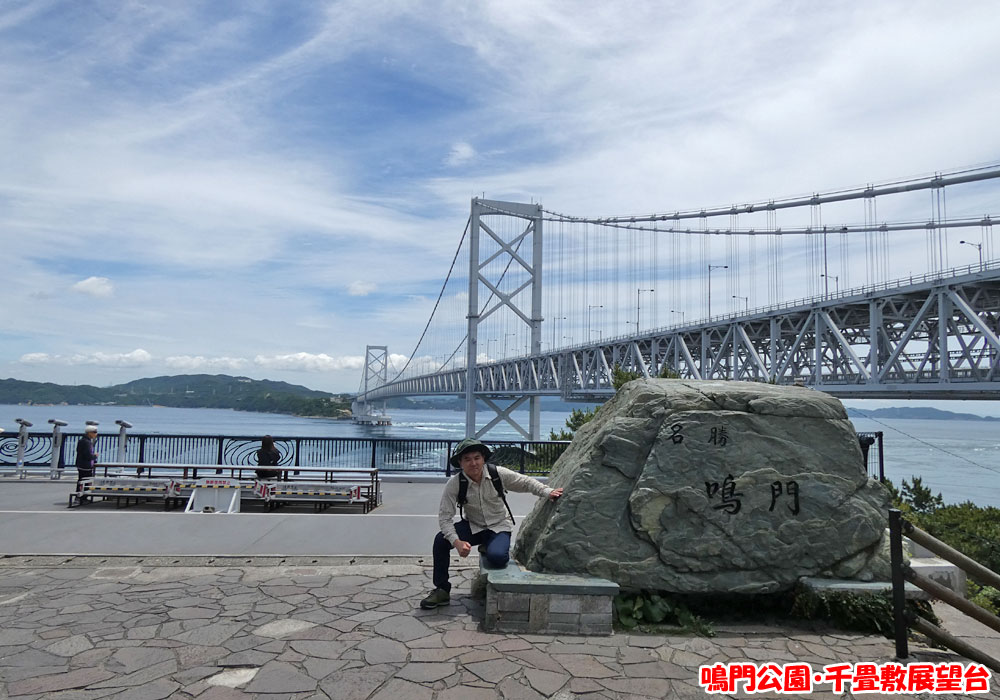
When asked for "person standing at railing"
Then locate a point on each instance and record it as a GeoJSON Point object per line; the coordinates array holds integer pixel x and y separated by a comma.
{"type": "Point", "coordinates": [268, 456]}
{"type": "Point", "coordinates": [86, 457]}
{"type": "Point", "coordinates": [486, 519]}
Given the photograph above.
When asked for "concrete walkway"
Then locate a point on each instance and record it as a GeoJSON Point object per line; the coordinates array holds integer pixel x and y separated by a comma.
{"type": "Point", "coordinates": [233, 625]}
{"type": "Point", "coordinates": [34, 519]}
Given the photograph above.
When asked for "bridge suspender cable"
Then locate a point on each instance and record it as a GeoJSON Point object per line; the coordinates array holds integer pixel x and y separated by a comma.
{"type": "Point", "coordinates": [436, 303]}
{"type": "Point", "coordinates": [482, 309]}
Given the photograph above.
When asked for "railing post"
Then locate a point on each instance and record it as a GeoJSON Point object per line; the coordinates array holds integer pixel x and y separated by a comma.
{"type": "Point", "coordinates": [219, 457]}
{"type": "Point", "coordinates": [521, 457]}
{"type": "Point", "coordinates": [57, 440]}
{"type": "Point", "coordinates": [447, 462]}
{"type": "Point", "coordinates": [22, 440]}
{"type": "Point", "coordinates": [898, 582]}
{"type": "Point", "coordinates": [373, 453]}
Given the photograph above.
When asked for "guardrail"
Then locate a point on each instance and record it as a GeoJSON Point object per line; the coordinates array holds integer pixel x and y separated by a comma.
{"type": "Point", "coordinates": [384, 454]}
{"type": "Point", "coordinates": [902, 572]}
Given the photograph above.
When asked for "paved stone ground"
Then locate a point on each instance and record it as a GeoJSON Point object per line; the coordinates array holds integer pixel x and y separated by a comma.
{"type": "Point", "coordinates": [75, 628]}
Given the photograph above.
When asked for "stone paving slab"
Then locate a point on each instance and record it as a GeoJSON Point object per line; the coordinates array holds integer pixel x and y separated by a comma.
{"type": "Point", "coordinates": [79, 629]}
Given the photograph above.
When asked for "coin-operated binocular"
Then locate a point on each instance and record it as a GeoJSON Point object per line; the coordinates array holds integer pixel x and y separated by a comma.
{"type": "Point", "coordinates": [123, 426]}
{"type": "Point", "coordinates": [55, 468]}
{"type": "Point", "coordinates": [22, 440]}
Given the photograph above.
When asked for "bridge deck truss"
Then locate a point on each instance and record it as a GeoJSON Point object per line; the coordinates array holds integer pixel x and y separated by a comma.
{"type": "Point", "coordinates": [934, 339]}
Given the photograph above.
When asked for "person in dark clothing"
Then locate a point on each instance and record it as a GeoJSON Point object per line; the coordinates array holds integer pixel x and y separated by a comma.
{"type": "Point", "coordinates": [86, 456]}
{"type": "Point", "coordinates": [268, 456]}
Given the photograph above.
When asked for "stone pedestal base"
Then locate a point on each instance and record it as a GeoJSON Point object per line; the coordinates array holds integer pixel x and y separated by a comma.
{"type": "Point", "coordinates": [526, 602]}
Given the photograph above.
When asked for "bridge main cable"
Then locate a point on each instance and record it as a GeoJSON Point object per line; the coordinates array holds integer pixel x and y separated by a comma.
{"type": "Point", "coordinates": [898, 187]}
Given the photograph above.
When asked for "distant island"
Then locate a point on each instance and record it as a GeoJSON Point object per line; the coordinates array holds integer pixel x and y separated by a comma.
{"type": "Point", "coordinates": [266, 396]}
{"type": "Point", "coordinates": [222, 391]}
{"type": "Point", "coordinates": [186, 391]}
{"type": "Point", "coordinates": [915, 414]}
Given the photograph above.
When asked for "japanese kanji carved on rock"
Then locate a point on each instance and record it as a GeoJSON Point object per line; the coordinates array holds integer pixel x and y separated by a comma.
{"type": "Point", "coordinates": [698, 487]}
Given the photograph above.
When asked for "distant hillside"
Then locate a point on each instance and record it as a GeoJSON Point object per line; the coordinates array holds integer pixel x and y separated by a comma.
{"type": "Point", "coordinates": [185, 391]}
{"type": "Point", "coordinates": [916, 414]}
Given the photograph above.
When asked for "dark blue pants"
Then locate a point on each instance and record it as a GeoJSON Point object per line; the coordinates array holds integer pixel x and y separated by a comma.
{"type": "Point", "coordinates": [497, 552]}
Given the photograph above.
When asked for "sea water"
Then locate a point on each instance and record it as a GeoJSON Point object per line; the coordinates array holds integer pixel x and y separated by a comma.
{"type": "Point", "coordinates": [958, 458]}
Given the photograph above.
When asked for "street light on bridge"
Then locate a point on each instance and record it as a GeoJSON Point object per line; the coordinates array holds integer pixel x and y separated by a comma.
{"type": "Point", "coordinates": [826, 284]}
{"type": "Point", "coordinates": [637, 292]}
{"type": "Point", "coordinates": [554, 324]}
{"type": "Point", "coordinates": [505, 336]}
{"type": "Point", "coordinates": [710, 268]}
{"type": "Point", "coordinates": [746, 302]}
{"type": "Point", "coordinates": [979, 247]}
{"type": "Point", "coordinates": [678, 312]}
{"type": "Point", "coordinates": [589, 307]}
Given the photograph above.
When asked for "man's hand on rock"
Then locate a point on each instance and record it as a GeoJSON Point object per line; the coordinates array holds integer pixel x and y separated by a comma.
{"type": "Point", "coordinates": [463, 548]}
{"type": "Point", "coordinates": [556, 493]}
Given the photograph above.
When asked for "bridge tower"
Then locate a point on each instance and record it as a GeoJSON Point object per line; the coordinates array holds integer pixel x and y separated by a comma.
{"type": "Point", "coordinates": [376, 374]}
{"type": "Point", "coordinates": [513, 250]}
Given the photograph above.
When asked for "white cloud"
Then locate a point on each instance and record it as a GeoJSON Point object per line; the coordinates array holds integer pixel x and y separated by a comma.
{"type": "Point", "coordinates": [37, 358]}
{"type": "Point", "coordinates": [189, 363]}
{"type": "Point", "coordinates": [361, 289]}
{"type": "Point", "coordinates": [460, 154]}
{"type": "Point", "coordinates": [99, 287]}
{"type": "Point", "coordinates": [240, 180]}
{"type": "Point", "coordinates": [308, 362]}
{"type": "Point", "coordinates": [135, 358]}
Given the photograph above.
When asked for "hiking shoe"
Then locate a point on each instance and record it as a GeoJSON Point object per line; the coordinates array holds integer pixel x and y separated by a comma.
{"type": "Point", "coordinates": [438, 596]}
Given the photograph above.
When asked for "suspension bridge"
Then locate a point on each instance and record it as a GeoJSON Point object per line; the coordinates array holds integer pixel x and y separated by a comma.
{"type": "Point", "coordinates": [883, 290]}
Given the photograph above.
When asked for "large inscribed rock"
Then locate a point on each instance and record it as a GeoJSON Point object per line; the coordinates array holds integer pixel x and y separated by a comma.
{"type": "Point", "coordinates": [697, 487]}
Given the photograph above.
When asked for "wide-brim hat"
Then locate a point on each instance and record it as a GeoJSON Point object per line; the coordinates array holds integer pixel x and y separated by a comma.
{"type": "Point", "coordinates": [467, 445]}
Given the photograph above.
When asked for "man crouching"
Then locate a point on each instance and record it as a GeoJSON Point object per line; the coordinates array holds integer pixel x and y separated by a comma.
{"type": "Point", "coordinates": [486, 519]}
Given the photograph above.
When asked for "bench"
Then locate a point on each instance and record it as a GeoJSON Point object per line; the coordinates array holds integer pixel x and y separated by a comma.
{"type": "Point", "coordinates": [121, 488]}
{"type": "Point", "coordinates": [174, 483]}
{"type": "Point", "coordinates": [320, 495]}
{"type": "Point", "coordinates": [315, 481]}
{"type": "Point", "coordinates": [521, 601]}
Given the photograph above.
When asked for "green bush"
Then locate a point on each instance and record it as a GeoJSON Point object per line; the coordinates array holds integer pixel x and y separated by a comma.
{"type": "Point", "coordinates": [860, 612]}
{"type": "Point", "coordinates": [973, 530]}
{"type": "Point", "coordinates": [576, 419]}
{"type": "Point", "coordinates": [645, 609]}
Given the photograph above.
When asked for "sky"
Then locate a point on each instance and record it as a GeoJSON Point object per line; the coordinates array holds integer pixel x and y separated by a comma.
{"type": "Point", "coordinates": [263, 188]}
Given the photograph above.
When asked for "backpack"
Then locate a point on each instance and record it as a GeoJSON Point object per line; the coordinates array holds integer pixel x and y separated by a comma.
{"type": "Point", "coordinates": [463, 490]}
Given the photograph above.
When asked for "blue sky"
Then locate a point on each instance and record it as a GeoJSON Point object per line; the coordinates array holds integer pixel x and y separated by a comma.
{"type": "Point", "coordinates": [262, 188]}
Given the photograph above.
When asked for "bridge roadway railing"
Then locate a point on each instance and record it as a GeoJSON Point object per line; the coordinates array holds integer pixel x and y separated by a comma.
{"type": "Point", "coordinates": [385, 454]}
{"type": "Point", "coordinates": [869, 342]}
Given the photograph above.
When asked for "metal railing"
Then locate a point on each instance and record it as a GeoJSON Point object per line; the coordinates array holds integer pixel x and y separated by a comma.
{"type": "Point", "coordinates": [384, 454]}
{"type": "Point", "coordinates": [901, 573]}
